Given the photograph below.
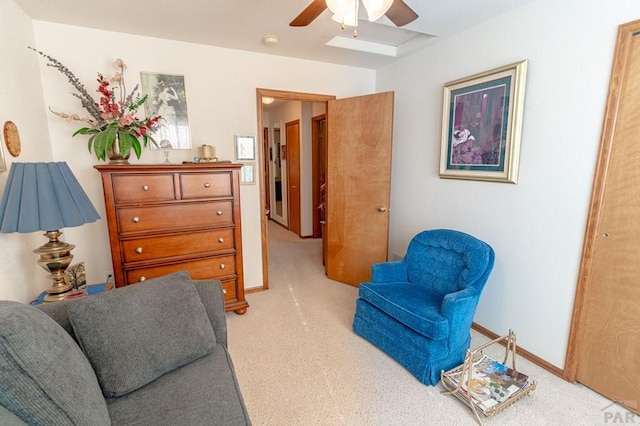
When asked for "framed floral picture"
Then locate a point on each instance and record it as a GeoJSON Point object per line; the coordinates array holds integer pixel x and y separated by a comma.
{"type": "Point", "coordinates": [482, 125]}
{"type": "Point", "coordinates": [166, 97]}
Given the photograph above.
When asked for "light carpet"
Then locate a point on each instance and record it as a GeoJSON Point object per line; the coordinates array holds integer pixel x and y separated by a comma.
{"type": "Point", "coordinates": [299, 363]}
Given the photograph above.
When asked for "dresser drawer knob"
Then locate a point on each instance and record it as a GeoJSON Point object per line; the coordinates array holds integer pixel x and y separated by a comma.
{"type": "Point", "coordinates": [224, 291]}
{"type": "Point", "coordinates": [135, 219]}
{"type": "Point", "coordinates": [207, 185]}
{"type": "Point", "coordinates": [138, 250]}
{"type": "Point", "coordinates": [222, 266]}
{"type": "Point", "coordinates": [145, 187]}
{"type": "Point", "coordinates": [219, 212]}
{"type": "Point", "coordinates": [143, 278]}
{"type": "Point", "coordinates": [221, 240]}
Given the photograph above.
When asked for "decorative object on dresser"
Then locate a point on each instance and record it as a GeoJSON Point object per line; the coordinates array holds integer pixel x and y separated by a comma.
{"type": "Point", "coordinates": [166, 96]}
{"type": "Point", "coordinates": [46, 197]}
{"type": "Point", "coordinates": [164, 218]}
{"type": "Point", "coordinates": [113, 123]}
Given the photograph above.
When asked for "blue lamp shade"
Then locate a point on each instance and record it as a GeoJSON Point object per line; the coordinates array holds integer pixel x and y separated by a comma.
{"type": "Point", "coordinates": [43, 197]}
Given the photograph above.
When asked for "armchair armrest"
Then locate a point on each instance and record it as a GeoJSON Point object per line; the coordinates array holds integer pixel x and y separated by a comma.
{"type": "Point", "coordinates": [385, 272]}
{"type": "Point", "coordinates": [459, 308]}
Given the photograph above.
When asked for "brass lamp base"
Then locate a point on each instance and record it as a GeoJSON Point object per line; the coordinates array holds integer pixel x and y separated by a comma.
{"type": "Point", "coordinates": [55, 258]}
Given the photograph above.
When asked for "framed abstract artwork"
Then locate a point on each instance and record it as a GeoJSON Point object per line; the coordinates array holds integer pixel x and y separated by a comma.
{"type": "Point", "coordinates": [482, 125]}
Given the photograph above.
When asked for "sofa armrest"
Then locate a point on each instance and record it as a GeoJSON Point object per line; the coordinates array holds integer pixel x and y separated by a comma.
{"type": "Point", "coordinates": [210, 292]}
{"type": "Point", "coordinates": [386, 272]}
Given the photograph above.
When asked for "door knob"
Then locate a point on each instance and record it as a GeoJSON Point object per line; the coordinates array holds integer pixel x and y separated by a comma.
{"type": "Point", "coordinates": [382, 209]}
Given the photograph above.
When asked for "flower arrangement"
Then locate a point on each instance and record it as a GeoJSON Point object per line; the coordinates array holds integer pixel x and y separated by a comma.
{"type": "Point", "coordinates": [112, 119]}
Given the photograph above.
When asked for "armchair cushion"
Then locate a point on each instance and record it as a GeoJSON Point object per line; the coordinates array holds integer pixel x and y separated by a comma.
{"type": "Point", "coordinates": [446, 261]}
{"type": "Point", "coordinates": [387, 272]}
{"type": "Point", "coordinates": [412, 305]}
{"type": "Point", "coordinates": [136, 334]}
{"type": "Point", "coordinates": [44, 377]}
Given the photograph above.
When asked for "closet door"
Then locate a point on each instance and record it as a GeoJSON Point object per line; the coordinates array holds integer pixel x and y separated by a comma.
{"type": "Point", "coordinates": [604, 346]}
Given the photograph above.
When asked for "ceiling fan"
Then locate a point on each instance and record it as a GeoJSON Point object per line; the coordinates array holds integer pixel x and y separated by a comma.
{"type": "Point", "coordinates": [346, 11]}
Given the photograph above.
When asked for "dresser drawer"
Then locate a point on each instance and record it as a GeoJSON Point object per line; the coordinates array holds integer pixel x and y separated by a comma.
{"type": "Point", "coordinates": [174, 216]}
{"type": "Point", "coordinates": [212, 267]}
{"type": "Point", "coordinates": [177, 245]}
{"type": "Point", "coordinates": [144, 187]}
{"type": "Point", "coordinates": [229, 287]}
{"type": "Point", "coordinates": [205, 185]}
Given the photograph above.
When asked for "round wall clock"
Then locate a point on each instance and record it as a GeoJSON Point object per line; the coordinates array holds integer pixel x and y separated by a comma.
{"type": "Point", "coordinates": [12, 138]}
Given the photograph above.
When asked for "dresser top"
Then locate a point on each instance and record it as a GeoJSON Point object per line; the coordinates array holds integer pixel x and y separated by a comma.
{"type": "Point", "coordinates": [166, 167]}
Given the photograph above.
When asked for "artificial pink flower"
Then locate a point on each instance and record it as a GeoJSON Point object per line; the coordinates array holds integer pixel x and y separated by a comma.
{"type": "Point", "coordinates": [126, 120]}
{"type": "Point", "coordinates": [117, 77]}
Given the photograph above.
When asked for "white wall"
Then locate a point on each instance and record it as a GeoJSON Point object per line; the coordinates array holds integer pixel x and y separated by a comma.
{"type": "Point", "coordinates": [21, 102]}
{"type": "Point", "coordinates": [537, 226]}
{"type": "Point", "coordinates": [221, 97]}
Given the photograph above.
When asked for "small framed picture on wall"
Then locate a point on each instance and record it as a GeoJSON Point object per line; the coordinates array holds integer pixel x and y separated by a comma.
{"type": "Point", "coordinates": [245, 148]}
{"type": "Point", "coordinates": [248, 174]}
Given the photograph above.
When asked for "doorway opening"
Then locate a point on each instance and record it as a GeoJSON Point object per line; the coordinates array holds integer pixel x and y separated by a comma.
{"type": "Point", "coordinates": [283, 176]}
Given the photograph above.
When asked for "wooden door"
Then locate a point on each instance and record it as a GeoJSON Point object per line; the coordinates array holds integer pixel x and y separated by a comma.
{"type": "Point", "coordinates": [293, 174]}
{"type": "Point", "coordinates": [604, 347]}
{"type": "Point", "coordinates": [359, 133]}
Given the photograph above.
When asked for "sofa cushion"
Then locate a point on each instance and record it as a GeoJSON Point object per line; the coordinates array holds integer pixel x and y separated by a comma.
{"type": "Point", "coordinates": [207, 386]}
{"type": "Point", "coordinates": [135, 334]}
{"type": "Point", "coordinates": [44, 376]}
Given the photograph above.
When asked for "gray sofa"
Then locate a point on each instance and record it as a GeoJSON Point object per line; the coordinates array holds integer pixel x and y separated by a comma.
{"type": "Point", "coordinates": [149, 354]}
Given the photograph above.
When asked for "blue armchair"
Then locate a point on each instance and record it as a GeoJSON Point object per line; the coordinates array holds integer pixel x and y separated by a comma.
{"type": "Point", "coordinates": [419, 309]}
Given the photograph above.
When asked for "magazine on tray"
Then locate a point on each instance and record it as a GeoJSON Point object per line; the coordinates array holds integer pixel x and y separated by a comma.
{"type": "Point", "coordinates": [491, 382]}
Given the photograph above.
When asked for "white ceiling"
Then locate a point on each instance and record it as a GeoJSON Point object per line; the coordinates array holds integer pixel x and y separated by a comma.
{"type": "Point", "coordinates": [241, 24]}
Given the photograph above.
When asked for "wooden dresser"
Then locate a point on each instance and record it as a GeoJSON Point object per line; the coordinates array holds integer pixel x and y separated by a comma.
{"type": "Point", "coordinates": [164, 218]}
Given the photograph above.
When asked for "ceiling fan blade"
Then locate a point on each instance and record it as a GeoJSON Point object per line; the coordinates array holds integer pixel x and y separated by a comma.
{"type": "Point", "coordinates": [309, 14]}
{"type": "Point", "coordinates": [401, 14]}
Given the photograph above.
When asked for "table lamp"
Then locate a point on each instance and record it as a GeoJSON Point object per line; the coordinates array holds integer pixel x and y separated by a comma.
{"type": "Point", "coordinates": [46, 197]}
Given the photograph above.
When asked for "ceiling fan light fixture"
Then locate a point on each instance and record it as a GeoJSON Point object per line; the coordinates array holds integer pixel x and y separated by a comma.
{"type": "Point", "coordinates": [376, 8]}
{"type": "Point", "coordinates": [267, 100]}
{"type": "Point", "coordinates": [342, 7]}
{"type": "Point", "coordinates": [350, 19]}
{"type": "Point", "coordinates": [345, 12]}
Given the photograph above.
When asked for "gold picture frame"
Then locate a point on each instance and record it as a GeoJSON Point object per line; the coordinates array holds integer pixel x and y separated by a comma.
{"type": "Point", "coordinates": [76, 275]}
{"type": "Point", "coordinates": [482, 125]}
